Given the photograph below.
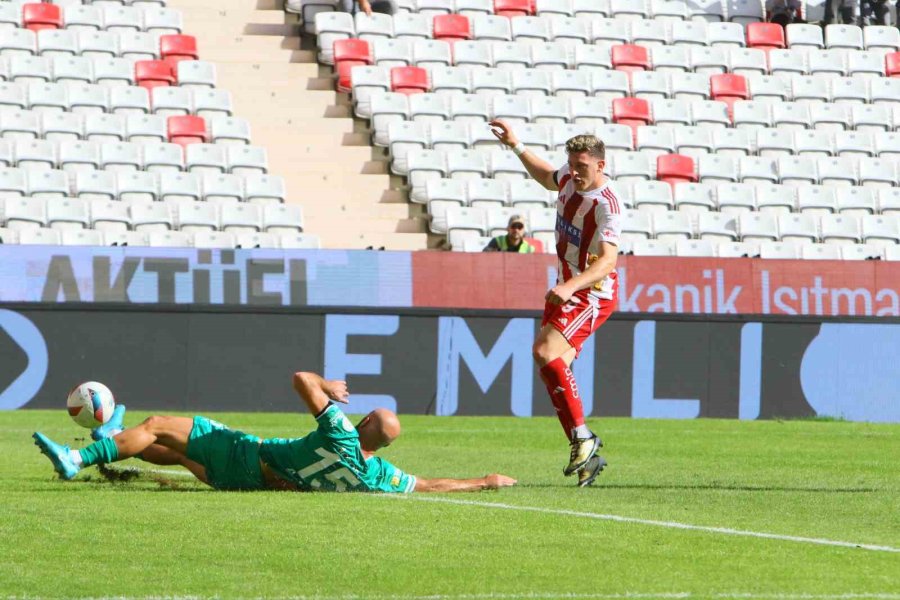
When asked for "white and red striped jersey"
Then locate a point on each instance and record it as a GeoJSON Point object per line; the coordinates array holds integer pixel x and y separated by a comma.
{"type": "Point", "coordinates": [583, 221]}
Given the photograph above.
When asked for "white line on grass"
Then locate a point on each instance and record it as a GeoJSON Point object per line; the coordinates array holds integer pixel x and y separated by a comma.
{"type": "Point", "coordinates": [651, 522]}
{"type": "Point", "coordinates": [534, 596]}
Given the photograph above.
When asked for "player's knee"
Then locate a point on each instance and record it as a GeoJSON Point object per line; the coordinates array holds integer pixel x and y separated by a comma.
{"type": "Point", "coordinates": [154, 423]}
{"type": "Point", "coordinates": [541, 352]}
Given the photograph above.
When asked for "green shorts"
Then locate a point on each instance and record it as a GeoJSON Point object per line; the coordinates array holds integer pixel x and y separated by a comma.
{"type": "Point", "coordinates": [231, 458]}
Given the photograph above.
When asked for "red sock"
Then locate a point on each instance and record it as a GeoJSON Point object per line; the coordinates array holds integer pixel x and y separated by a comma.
{"type": "Point", "coordinates": [563, 392]}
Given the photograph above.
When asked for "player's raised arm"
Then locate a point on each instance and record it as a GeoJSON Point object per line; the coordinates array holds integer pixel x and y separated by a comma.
{"type": "Point", "coordinates": [317, 392]}
{"type": "Point", "coordinates": [488, 482]}
{"type": "Point", "coordinates": [542, 171]}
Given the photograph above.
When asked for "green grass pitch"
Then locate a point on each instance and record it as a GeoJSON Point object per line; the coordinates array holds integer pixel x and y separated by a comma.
{"type": "Point", "coordinates": [152, 538]}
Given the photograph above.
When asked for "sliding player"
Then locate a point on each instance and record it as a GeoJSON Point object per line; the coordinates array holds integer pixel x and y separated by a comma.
{"type": "Point", "coordinates": [335, 457]}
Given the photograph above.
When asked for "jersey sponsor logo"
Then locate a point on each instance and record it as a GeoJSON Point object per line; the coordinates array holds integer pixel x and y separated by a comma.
{"type": "Point", "coordinates": [346, 424]}
{"type": "Point", "coordinates": [565, 228]}
{"type": "Point", "coordinates": [564, 321]}
{"type": "Point", "coordinates": [395, 481]}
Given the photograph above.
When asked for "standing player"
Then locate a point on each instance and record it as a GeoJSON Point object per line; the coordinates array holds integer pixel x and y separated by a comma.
{"type": "Point", "coordinates": [587, 239]}
{"type": "Point", "coordinates": [335, 457]}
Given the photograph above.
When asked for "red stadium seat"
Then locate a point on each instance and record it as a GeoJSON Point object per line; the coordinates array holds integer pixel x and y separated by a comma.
{"type": "Point", "coordinates": [350, 53]}
{"type": "Point", "coordinates": [630, 57]}
{"type": "Point", "coordinates": [187, 129]}
{"type": "Point", "coordinates": [41, 16]}
{"type": "Point", "coordinates": [675, 168]}
{"type": "Point", "coordinates": [153, 73]}
{"type": "Point", "coordinates": [766, 36]}
{"type": "Point", "coordinates": [452, 27]}
{"type": "Point", "coordinates": [174, 48]}
{"type": "Point", "coordinates": [409, 80]}
{"type": "Point", "coordinates": [514, 8]}
{"type": "Point", "coordinates": [631, 111]}
{"type": "Point", "coordinates": [892, 64]}
{"type": "Point", "coordinates": [729, 88]}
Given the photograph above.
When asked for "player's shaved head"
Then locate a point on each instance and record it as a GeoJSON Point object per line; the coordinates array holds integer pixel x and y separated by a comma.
{"type": "Point", "coordinates": [378, 429]}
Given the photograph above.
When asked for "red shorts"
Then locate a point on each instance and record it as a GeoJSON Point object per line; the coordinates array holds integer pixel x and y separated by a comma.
{"type": "Point", "coordinates": [578, 318]}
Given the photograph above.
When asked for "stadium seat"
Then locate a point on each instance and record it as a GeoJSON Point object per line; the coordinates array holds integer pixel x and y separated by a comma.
{"type": "Point", "coordinates": [197, 216]}
{"type": "Point", "coordinates": [672, 225]}
{"type": "Point", "coordinates": [257, 240]}
{"type": "Point", "coordinates": [694, 141]}
{"type": "Point", "coordinates": [816, 199]}
{"type": "Point", "coordinates": [716, 226]}
{"type": "Point", "coordinates": [153, 73]}
{"type": "Point", "coordinates": [570, 32]}
{"type": "Point", "coordinates": [474, 8]}
{"type": "Point", "coordinates": [205, 158]}
{"type": "Point", "coordinates": [673, 113]}
{"type": "Point", "coordinates": [151, 217]}
{"type": "Point", "coordinates": [411, 26]}
{"type": "Point", "coordinates": [176, 48]}
{"type": "Point", "coordinates": [221, 188]}
{"type": "Point", "coordinates": [24, 213]}
{"type": "Point", "coordinates": [879, 230]}
{"type": "Point", "coordinates": [757, 227]}
{"type": "Point", "coordinates": [409, 80]}
{"type": "Point", "coordinates": [653, 248]}
{"type": "Point", "coordinates": [229, 130]}
{"type": "Point", "coordinates": [161, 158]}
{"type": "Point", "coordinates": [766, 36]}
{"type": "Point", "coordinates": [40, 236]}
{"type": "Point", "coordinates": [110, 215]}
{"type": "Point", "coordinates": [649, 85]}
{"type": "Point", "coordinates": [41, 16]}
{"type": "Point", "coordinates": [592, 112]}
{"type": "Point", "coordinates": [349, 53]}
{"type": "Point", "coordinates": [844, 36]}
{"type": "Point", "coordinates": [282, 218]}
{"type": "Point", "coordinates": [695, 197]}
{"type": "Point", "coordinates": [879, 37]}
{"type": "Point", "coordinates": [748, 61]}
{"type": "Point", "coordinates": [629, 58]}
{"type": "Point", "coordinates": [840, 229]}
{"type": "Point", "coordinates": [95, 185]}
{"type": "Point", "coordinates": [113, 71]}
{"type": "Point", "coordinates": [442, 194]}
{"type": "Point", "coordinates": [729, 88]}
{"type": "Point", "coordinates": [432, 53]}
{"type": "Point", "coordinates": [67, 213]}
{"type": "Point", "coordinates": [649, 33]}
{"type": "Point", "coordinates": [675, 168]}
{"type": "Point", "coordinates": [333, 26]}
{"type": "Point", "coordinates": [652, 196]}
{"type": "Point", "coordinates": [871, 117]}
{"type": "Point", "coordinates": [125, 238]}
{"type": "Point", "coordinates": [432, 8]}
{"type": "Point", "coordinates": [299, 241]}
{"type": "Point", "coordinates": [264, 189]}
{"type": "Point", "coordinates": [655, 140]}
{"type": "Point", "coordinates": [804, 35]}
{"type": "Point", "coordinates": [892, 64]}
{"type": "Point", "coordinates": [78, 155]}
{"type": "Point", "coordinates": [195, 74]}
{"type": "Point", "coordinates": [610, 84]}
{"type": "Point", "coordinates": [512, 8]}
{"type": "Point", "coordinates": [694, 248]}
{"type": "Point", "coordinates": [489, 194]}
{"type": "Point", "coordinates": [491, 82]}
{"type": "Point", "coordinates": [819, 252]}
{"type": "Point", "coordinates": [467, 164]}
{"type": "Point", "coordinates": [162, 21]}
{"type": "Point", "coordinates": [368, 27]}
{"type": "Point", "coordinates": [186, 130]}
{"type": "Point", "coordinates": [689, 86]}
{"type": "Point", "coordinates": [138, 46]}
{"type": "Point", "coordinates": [451, 27]}
{"type": "Point", "coordinates": [240, 218]}
{"type": "Point", "coordinates": [137, 186]}
{"type": "Point", "coordinates": [633, 112]}
{"type": "Point", "coordinates": [775, 199]}
{"type": "Point", "coordinates": [392, 53]}
{"type": "Point", "coordinates": [120, 157]}
{"type": "Point", "coordinates": [170, 239]}
{"type": "Point", "coordinates": [798, 228]}
{"type": "Point", "coordinates": [170, 101]}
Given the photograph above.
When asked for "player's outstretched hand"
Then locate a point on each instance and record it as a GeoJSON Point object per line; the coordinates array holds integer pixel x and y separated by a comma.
{"type": "Point", "coordinates": [503, 132]}
{"type": "Point", "coordinates": [337, 391]}
{"type": "Point", "coordinates": [496, 480]}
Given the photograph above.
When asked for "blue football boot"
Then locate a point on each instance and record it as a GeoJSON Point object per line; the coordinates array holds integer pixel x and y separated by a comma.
{"type": "Point", "coordinates": [58, 455]}
{"type": "Point", "coordinates": [116, 422]}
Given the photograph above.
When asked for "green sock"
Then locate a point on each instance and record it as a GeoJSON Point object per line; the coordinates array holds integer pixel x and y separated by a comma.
{"type": "Point", "coordinates": [104, 451]}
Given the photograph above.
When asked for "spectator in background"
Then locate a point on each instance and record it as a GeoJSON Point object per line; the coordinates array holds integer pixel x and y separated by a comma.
{"type": "Point", "coordinates": [387, 7]}
{"type": "Point", "coordinates": [876, 12]}
{"type": "Point", "coordinates": [849, 11]}
{"type": "Point", "coordinates": [514, 240]}
{"type": "Point", "coordinates": [783, 12]}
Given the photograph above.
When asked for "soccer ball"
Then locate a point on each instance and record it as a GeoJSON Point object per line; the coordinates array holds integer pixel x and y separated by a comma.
{"type": "Point", "coordinates": [90, 404]}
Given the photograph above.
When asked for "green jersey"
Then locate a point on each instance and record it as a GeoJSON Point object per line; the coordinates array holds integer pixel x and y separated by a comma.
{"type": "Point", "coordinates": [330, 459]}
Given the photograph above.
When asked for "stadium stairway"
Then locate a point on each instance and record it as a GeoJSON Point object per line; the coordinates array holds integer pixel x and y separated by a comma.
{"type": "Point", "coordinates": [349, 198]}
